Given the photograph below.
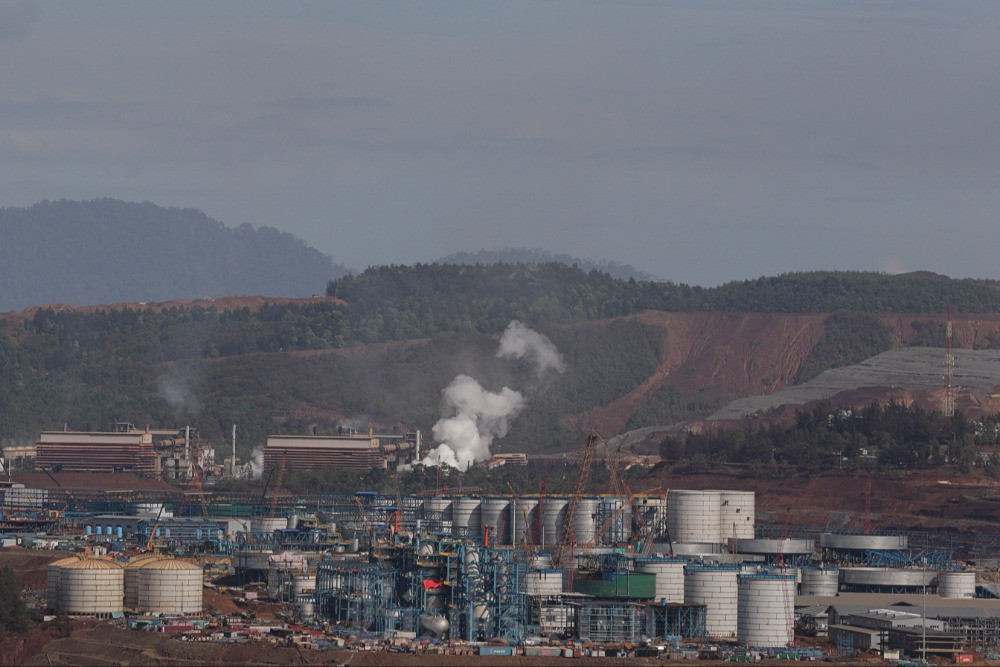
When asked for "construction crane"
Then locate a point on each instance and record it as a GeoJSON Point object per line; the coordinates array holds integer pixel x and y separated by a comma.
{"type": "Point", "coordinates": [152, 529]}
{"type": "Point", "coordinates": [585, 461]}
{"type": "Point", "coordinates": [523, 545]}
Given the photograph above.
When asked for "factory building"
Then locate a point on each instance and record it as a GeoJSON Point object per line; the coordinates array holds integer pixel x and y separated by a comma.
{"type": "Point", "coordinates": [79, 451]}
{"type": "Point", "coordinates": [172, 455]}
{"type": "Point", "coordinates": [346, 450]}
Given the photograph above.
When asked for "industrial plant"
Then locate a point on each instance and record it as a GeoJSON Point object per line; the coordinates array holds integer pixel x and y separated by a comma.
{"type": "Point", "coordinates": [681, 572]}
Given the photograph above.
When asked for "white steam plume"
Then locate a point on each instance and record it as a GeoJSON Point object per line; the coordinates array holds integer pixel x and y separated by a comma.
{"type": "Point", "coordinates": [518, 342]}
{"type": "Point", "coordinates": [254, 468]}
{"type": "Point", "coordinates": [478, 416]}
{"type": "Point", "coordinates": [475, 417]}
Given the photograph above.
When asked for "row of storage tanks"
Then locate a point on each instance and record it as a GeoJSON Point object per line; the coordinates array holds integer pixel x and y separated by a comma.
{"type": "Point", "coordinates": [93, 586]}
{"type": "Point", "coordinates": [696, 517]}
{"type": "Point", "coordinates": [757, 609]}
{"type": "Point", "coordinates": [751, 604]}
{"type": "Point", "coordinates": [514, 519]}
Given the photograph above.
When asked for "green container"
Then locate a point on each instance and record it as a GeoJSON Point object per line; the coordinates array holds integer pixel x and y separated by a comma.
{"type": "Point", "coordinates": [622, 585]}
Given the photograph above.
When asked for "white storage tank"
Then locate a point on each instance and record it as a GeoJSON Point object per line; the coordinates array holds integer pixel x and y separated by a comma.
{"type": "Point", "coordinates": [714, 586]}
{"type": "Point", "coordinates": [585, 523]}
{"type": "Point", "coordinates": [170, 586]}
{"type": "Point", "coordinates": [766, 610]}
{"type": "Point", "coordinates": [737, 514]}
{"type": "Point", "coordinates": [91, 587]}
{"type": "Point", "coordinates": [132, 584]}
{"type": "Point", "coordinates": [957, 584]}
{"type": "Point", "coordinates": [694, 516]}
{"type": "Point", "coordinates": [553, 515]}
{"type": "Point", "coordinates": [494, 513]}
{"type": "Point", "coordinates": [820, 581]}
{"type": "Point", "coordinates": [541, 582]}
{"type": "Point", "coordinates": [465, 515]}
{"type": "Point", "coordinates": [303, 584]}
{"type": "Point", "coordinates": [669, 576]}
{"type": "Point", "coordinates": [267, 524]}
{"type": "Point", "coordinates": [438, 509]}
{"type": "Point", "coordinates": [52, 580]}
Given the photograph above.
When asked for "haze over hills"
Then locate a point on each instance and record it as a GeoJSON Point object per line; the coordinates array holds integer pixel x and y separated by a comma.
{"type": "Point", "coordinates": [108, 251]}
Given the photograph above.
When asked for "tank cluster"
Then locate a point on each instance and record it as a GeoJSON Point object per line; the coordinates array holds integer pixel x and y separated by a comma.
{"type": "Point", "coordinates": [93, 586]}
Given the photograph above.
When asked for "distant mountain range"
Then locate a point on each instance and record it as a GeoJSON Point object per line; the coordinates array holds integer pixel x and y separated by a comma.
{"type": "Point", "coordinates": [537, 256]}
{"type": "Point", "coordinates": [108, 251]}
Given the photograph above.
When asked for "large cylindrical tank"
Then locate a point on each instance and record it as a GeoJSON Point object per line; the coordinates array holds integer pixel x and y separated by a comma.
{"type": "Point", "coordinates": [465, 515]}
{"type": "Point", "coordinates": [525, 510]}
{"type": "Point", "coordinates": [885, 579]}
{"type": "Point", "coordinates": [493, 512]}
{"type": "Point", "coordinates": [714, 586]}
{"type": "Point", "coordinates": [737, 514]}
{"type": "Point", "coordinates": [436, 509]}
{"type": "Point", "coordinates": [302, 584]}
{"type": "Point", "coordinates": [669, 574]}
{"type": "Point", "coordinates": [267, 524]}
{"type": "Point", "coordinates": [541, 582]}
{"type": "Point", "coordinates": [553, 516]}
{"type": "Point", "coordinates": [845, 542]}
{"type": "Point", "coordinates": [91, 586]}
{"type": "Point", "coordinates": [305, 608]}
{"type": "Point", "coordinates": [132, 578]}
{"type": "Point", "coordinates": [820, 581]}
{"type": "Point", "coordinates": [170, 586]}
{"type": "Point", "coordinates": [789, 549]}
{"type": "Point", "coordinates": [52, 580]}
{"type": "Point", "coordinates": [585, 522]}
{"type": "Point", "coordinates": [617, 511]}
{"type": "Point", "coordinates": [957, 584]}
{"type": "Point", "coordinates": [694, 516]}
{"type": "Point", "coordinates": [766, 604]}
{"type": "Point", "coordinates": [616, 585]}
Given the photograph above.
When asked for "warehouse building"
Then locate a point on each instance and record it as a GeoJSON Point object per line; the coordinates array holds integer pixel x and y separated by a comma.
{"type": "Point", "coordinates": [346, 450]}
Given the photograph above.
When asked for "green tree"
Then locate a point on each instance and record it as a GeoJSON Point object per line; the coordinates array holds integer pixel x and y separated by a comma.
{"type": "Point", "coordinates": [13, 612]}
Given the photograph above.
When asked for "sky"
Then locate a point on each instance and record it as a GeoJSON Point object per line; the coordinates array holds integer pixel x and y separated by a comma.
{"type": "Point", "coordinates": [699, 141]}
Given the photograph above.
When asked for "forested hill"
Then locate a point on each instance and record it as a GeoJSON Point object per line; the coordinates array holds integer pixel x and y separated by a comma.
{"type": "Point", "coordinates": [108, 251]}
{"type": "Point", "coordinates": [395, 302]}
{"type": "Point", "coordinates": [538, 256]}
{"type": "Point", "coordinates": [284, 366]}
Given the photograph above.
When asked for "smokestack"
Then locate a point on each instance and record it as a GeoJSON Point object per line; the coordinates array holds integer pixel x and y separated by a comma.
{"type": "Point", "coordinates": [232, 465]}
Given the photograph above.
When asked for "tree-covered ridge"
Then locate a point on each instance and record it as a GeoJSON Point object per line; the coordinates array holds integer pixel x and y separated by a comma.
{"type": "Point", "coordinates": [823, 437]}
{"type": "Point", "coordinates": [423, 299]}
{"type": "Point", "coordinates": [108, 251]}
{"type": "Point", "coordinates": [538, 256]}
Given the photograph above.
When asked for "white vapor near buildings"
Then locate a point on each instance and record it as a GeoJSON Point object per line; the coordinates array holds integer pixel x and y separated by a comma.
{"type": "Point", "coordinates": [475, 417]}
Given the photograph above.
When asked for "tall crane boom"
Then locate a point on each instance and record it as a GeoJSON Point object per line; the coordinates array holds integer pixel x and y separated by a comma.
{"type": "Point", "coordinates": [586, 459]}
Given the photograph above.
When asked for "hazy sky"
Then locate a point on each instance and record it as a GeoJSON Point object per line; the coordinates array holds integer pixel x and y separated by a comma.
{"type": "Point", "coordinates": [699, 141]}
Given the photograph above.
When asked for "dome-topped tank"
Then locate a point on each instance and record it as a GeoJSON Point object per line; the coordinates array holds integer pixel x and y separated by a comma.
{"type": "Point", "coordinates": [52, 582]}
{"type": "Point", "coordinates": [132, 578]}
{"type": "Point", "coordinates": [91, 586]}
{"type": "Point", "coordinates": [170, 586]}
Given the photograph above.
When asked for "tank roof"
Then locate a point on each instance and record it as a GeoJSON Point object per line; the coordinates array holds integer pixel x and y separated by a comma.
{"type": "Point", "coordinates": [92, 564]}
{"type": "Point", "coordinates": [170, 564]}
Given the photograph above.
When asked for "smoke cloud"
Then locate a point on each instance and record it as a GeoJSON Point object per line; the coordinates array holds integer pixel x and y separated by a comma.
{"type": "Point", "coordinates": [519, 342]}
{"type": "Point", "coordinates": [175, 387]}
{"type": "Point", "coordinates": [478, 417]}
{"type": "Point", "coordinates": [254, 468]}
{"type": "Point", "coordinates": [475, 417]}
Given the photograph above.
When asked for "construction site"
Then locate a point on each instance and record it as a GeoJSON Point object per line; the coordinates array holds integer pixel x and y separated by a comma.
{"type": "Point", "coordinates": [676, 574]}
